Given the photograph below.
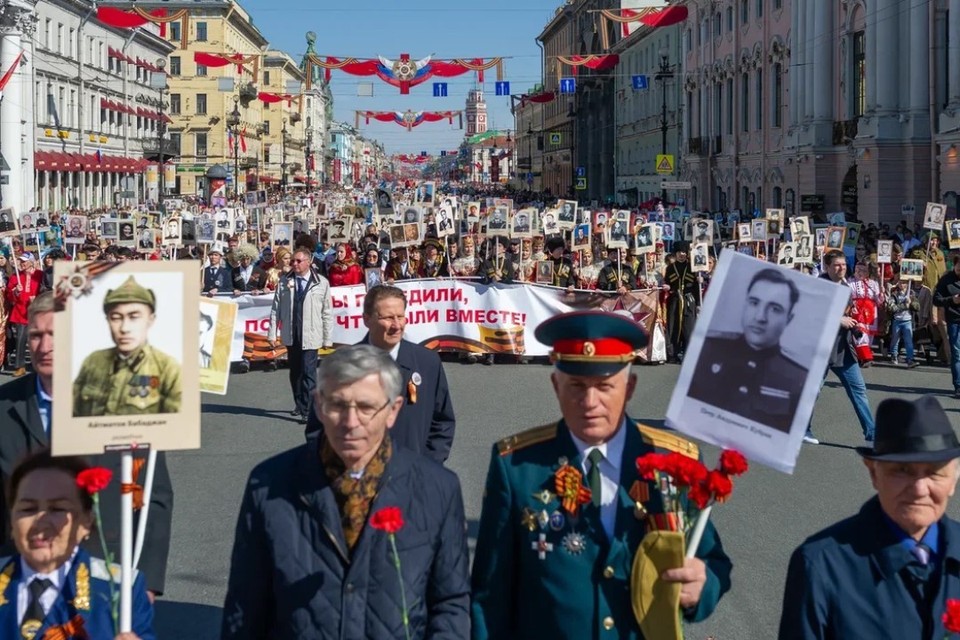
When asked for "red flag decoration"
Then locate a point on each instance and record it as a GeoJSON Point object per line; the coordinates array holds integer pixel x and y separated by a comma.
{"type": "Point", "coordinates": [540, 98]}
{"type": "Point", "coordinates": [243, 140]}
{"type": "Point", "coordinates": [9, 72]}
{"type": "Point", "coordinates": [273, 98]}
{"type": "Point", "coordinates": [409, 119]}
{"type": "Point", "coordinates": [138, 17]}
{"type": "Point", "coordinates": [403, 73]}
{"type": "Point", "coordinates": [597, 63]}
{"type": "Point", "coordinates": [217, 60]}
{"type": "Point", "coordinates": [650, 16]}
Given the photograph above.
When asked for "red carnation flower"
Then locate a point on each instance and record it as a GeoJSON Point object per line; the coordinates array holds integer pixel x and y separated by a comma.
{"type": "Point", "coordinates": [733, 463]}
{"type": "Point", "coordinates": [719, 485]}
{"type": "Point", "coordinates": [951, 616]}
{"type": "Point", "coordinates": [93, 480]}
{"type": "Point", "coordinates": [649, 464]}
{"type": "Point", "coordinates": [699, 495]}
{"type": "Point", "coordinates": [389, 519]}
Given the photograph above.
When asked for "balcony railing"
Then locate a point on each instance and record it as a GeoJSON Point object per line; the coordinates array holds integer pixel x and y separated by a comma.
{"type": "Point", "coordinates": [152, 148]}
{"type": "Point", "coordinates": [844, 131]}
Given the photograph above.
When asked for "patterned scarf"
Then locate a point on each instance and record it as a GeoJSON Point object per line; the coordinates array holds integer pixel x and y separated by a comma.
{"type": "Point", "coordinates": [354, 495]}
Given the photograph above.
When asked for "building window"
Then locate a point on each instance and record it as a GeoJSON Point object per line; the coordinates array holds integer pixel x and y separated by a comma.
{"type": "Point", "coordinates": [717, 110]}
{"type": "Point", "coordinates": [266, 106]}
{"type": "Point", "coordinates": [70, 43]}
{"type": "Point", "coordinates": [778, 197]}
{"type": "Point", "coordinates": [777, 4]}
{"type": "Point", "coordinates": [174, 65]}
{"type": "Point", "coordinates": [744, 12]}
{"type": "Point", "coordinates": [266, 127]}
{"type": "Point", "coordinates": [175, 141]}
{"type": "Point", "coordinates": [201, 104]}
{"type": "Point", "coordinates": [266, 154]}
{"type": "Point", "coordinates": [729, 105]}
{"type": "Point", "coordinates": [717, 25]}
{"type": "Point", "coordinates": [759, 10]}
{"type": "Point", "coordinates": [776, 95]}
{"type": "Point", "coordinates": [758, 98]}
{"type": "Point", "coordinates": [859, 74]}
{"type": "Point", "coordinates": [729, 19]}
{"type": "Point", "coordinates": [266, 77]}
{"type": "Point", "coordinates": [744, 102]}
{"type": "Point", "coordinates": [46, 34]}
{"type": "Point", "coordinates": [175, 31]}
{"type": "Point", "coordinates": [60, 38]}
{"type": "Point", "coordinates": [689, 39]}
{"type": "Point", "coordinates": [201, 70]}
{"type": "Point", "coordinates": [201, 144]}
{"type": "Point", "coordinates": [201, 31]}
{"type": "Point", "coordinates": [174, 103]}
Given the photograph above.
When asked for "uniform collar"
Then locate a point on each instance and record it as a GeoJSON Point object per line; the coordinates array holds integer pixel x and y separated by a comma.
{"type": "Point", "coordinates": [612, 449]}
{"type": "Point", "coordinates": [57, 577]}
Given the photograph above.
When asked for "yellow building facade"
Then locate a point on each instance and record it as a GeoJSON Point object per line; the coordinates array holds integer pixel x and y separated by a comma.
{"type": "Point", "coordinates": [284, 138]}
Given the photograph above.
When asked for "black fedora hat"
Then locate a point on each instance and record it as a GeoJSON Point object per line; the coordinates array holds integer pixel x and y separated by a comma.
{"type": "Point", "coordinates": [917, 431]}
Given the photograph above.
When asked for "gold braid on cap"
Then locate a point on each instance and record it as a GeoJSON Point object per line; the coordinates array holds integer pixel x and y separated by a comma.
{"type": "Point", "coordinates": [577, 357]}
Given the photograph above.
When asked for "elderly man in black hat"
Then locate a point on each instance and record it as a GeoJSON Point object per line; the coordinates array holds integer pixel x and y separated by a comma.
{"type": "Point", "coordinates": [888, 571]}
{"type": "Point", "coordinates": [552, 566]}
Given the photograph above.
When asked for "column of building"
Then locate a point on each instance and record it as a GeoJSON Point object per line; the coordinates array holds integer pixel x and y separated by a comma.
{"type": "Point", "coordinates": [886, 69]}
{"type": "Point", "coordinates": [823, 67]}
{"type": "Point", "coordinates": [16, 18]}
{"type": "Point", "coordinates": [953, 53]}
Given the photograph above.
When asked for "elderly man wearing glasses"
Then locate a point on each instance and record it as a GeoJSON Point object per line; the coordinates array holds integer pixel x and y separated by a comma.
{"type": "Point", "coordinates": [304, 311]}
{"type": "Point", "coordinates": [349, 536]}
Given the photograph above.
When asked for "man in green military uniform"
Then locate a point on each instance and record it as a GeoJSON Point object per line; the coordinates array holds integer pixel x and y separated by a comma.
{"type": "Point", "coordinates": [559, 566]}
{"type": "Point", "coordinates": [131, 378]}
{"type": "Point", "coordinates": [748, 373]}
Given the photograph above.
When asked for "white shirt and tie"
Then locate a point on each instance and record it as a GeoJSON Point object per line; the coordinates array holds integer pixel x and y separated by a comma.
{"type": "Point", "coordinates": [610, 467]}
{"type": "Point", "coordinates": [49, 596]}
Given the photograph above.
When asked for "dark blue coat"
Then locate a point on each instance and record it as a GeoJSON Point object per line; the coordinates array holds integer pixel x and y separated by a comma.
{"type": "Point", "coordinates": [427, 425]}
{"type": "Point", "coordinates": [846, 582]}
{"type": "Point", "coordinates": [291, 575]}
{"type": "Point", "coordinates": [217, 278]}
{"type": "Point", "coordinates": [94, 580]}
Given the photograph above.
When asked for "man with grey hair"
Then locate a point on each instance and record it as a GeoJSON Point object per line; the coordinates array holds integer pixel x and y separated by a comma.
{"type": "Point", "coordinates": [321, 520]}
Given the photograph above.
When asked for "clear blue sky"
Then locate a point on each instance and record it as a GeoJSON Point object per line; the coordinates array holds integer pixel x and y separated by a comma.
{"type": "Point", "coordinates": [442, 28]}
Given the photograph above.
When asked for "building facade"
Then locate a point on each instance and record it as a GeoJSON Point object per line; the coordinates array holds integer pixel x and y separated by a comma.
{"type": "Point", "coordinates": [345, 166]}
{"type": "Point", "coordinates": [557, 39]}
{"type": "Point", "coordinates": [528, 120]}
{"type": "Point", "coordinates": [284, 137]}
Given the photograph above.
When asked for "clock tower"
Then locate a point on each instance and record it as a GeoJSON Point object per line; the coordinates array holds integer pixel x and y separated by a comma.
{"type": "Point", "coordinates": [476, 113]}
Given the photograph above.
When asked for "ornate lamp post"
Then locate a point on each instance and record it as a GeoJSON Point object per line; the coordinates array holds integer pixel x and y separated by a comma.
{"type": "Point", "coordinates": [161, 130]}
{"type": "Point", "coordinates": [233, 122]}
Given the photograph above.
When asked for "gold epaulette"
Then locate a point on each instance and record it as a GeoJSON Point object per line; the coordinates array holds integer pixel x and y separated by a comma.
{"type": "Point", "coordinates": [526, 438]}
{"type": "Point", "coordinates": [668, 440]}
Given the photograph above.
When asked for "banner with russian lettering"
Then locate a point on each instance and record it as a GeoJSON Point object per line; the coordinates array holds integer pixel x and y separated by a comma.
{"type": "Point", "coordinates": [461, 315]}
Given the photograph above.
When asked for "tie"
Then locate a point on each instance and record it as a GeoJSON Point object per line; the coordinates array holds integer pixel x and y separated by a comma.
{"type": "Point", "coordinates": [593, 477]}
{"type": "Point", "coordinates": [34, 608]}
{"type": "Point", "coordinates": [922, 553]}
{"type": "Point", "coordinates": [300, 282]}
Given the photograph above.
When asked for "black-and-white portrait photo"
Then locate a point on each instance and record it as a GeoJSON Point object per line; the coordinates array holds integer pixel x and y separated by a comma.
{"type": "Point", "coordinates": [799, 226]}
{"type": "Point", "coordinates": [745, 232]}
{"type": "Point", "coordinates": [703, 231]}
{"type": "Point", "coordinates": [911, 269]}
{"type": "Point", "coordinates": [787, 254]}
{"type": "Point", "coordinates": [147, 239]}
{"type": "Point", "coordinates": [567, 213]}
{"type": "Point", "coordinates": [126, 231]}
{"type": "Point", "coordinates": [282, 234]}
{"type": "Point", "coordinates": [668, 231]}
{"type": "Point", "coordinates": [498, 220]}
{"type": "Point", "coordinates": [411, 214]}
{"type": "Point", "coordinates": [933, 215]}
{"type": "Point", "coordinates": [109, 228]}
{"type": "Point", "coordinates": [884, 251]}
{"type": "Point", "coordinates": [700, 255]}
{"type": "Point", "coordinates": [520, 223]}
{"type": "Point", "coordinates": [953, 233]}
{"type": "Point", "coordinates": [338, 230]}
{"type": "Point", "coordinates": [206, 229]}
{"type": "Point", "coordinates": [758, 230]}
{"type": "Point", "coordinates": [645, 240]}
{"type": "Point", "coordinates": [804, 249]}
{"type": "Point", "coordinates": [756, 359]}
{"type": "Point", "coordinates": [834, 238]}
{"type": "Point", "coordinates": [171, 231]}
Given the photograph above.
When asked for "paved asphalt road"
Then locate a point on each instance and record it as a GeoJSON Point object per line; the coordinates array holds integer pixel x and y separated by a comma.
{"type": "Point", "coordinates": [769, 515]}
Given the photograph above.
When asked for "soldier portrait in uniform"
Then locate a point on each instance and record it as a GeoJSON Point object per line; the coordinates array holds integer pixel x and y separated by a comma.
{"type": "Point", "coordinates": [804, 249]}
{"type": "Point", "coordinates": [799, 226]}
{"type": "Point", "coordinates": [339, 230]}
{"type": "Point", "coordinates": [834, 238]}
{"type": "Point", "coordinates": [933, 216]}
{"type": "Point", "coordinates": [544, 272]}
{"type": "Point", "coordinates": [206, 229]}
{"type": "Point", "coordinates": [109, 229]}
{"type": "Point", "coordinates": [581, 235]}
{"type": "Point", "coordinates": [745, 232]}
{"type": "Point", "coordinates": [498, 219]}
{"type": "Point", "coordinates": [520, 223]}
{"type": "Point", "coordinates": [645, 240]}
{"type": "Point", "coordinates": [954, 234]}
{"type": "Point", "coordinates": [282, 234]}
{"type": "Point", "coordinates": [884, 251]}
{"type": "Point", "coordinates": [668, 231]}
{"type": "Point", "coordinates": [76, 229]}
{"type": "Point", "coordinates": [568, 213]}
{"type": "Point", "coordinates": [703, 232]}
{"type": "Point", "coordinates": [756, 358]}
{"type": "Point", "coordinates": [147, 240]}
{"type": "Point", "coordinates": [759, 230]}
{"type": "Point", "coordinates": [787, 254]}
{"type": "Point", "coordinates": [701, 251]}
{"type": "Point", "coordinates": [133, 378]}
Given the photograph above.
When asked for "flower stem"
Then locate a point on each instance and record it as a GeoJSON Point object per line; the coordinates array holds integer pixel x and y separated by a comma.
{"type": "Point", "coordinates": [403, 593]}
{"type": "Point", "coordinates": [108, 558]}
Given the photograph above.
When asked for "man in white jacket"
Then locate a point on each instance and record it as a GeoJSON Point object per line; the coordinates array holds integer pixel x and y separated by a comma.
{"type": "Point", "coordinates": [304, 312]}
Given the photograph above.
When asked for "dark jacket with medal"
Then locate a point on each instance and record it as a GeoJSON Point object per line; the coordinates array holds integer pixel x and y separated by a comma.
{"type": "Point", "coordinates": [612, 277]}
{"type": "Point", "coordinates": [501, 266]}
{"type": "Point", "coordinates": [216, 278]}
{"type": "Point", "coordinates": [581, 587]}
{"type": "Point", "coordinates": [855, 579]}
{"type": "Point", "coordinates": [426, 422]}
{"type": "Point", "coordinates": [563, 273]}
{"type": "Point", "coordinates": [23, 433]}
{"type": "Point", "coordinates": [761, 385]}
{"type": "Point", "coordinates": [257, 281]}
{"type": "Point", "coordinates": [291, 575]}
{"type": "Point", "coordinates": [84, 595]}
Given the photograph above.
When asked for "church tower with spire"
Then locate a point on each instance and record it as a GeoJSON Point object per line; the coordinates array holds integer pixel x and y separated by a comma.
{"type": "Point", "coordinates": [476, 113]}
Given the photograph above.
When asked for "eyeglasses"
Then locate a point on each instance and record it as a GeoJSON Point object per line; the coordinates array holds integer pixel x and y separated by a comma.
{"type": "Point", "coordinates": [338, 409]}
{"type": "Point", "coordinates": [298, 261]}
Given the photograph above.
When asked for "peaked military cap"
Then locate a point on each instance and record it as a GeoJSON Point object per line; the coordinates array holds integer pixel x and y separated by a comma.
{"type": "Point", "coordinates": [130, 291]}
{"type": "Point", "coordinates": [591, 343]}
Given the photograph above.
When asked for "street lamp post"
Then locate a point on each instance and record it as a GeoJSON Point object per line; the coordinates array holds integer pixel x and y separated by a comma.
{"type": "Point", "coordinates": [161, 129]}
{"type": "Point", "coordinates": [663, 74]}
{"type": "Point", "coordinates": [306, 158]}
{"type": "Point", "coordinates": [233, 122]}
{"type": "Point", "coordinates": [283, 163]}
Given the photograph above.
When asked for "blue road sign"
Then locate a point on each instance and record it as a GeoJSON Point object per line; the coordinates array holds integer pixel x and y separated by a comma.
{"type": "Point", "coordinates": [581, 171]}
{"type": "Point", "coordinates": [639, 82]}
{"type": "Point", "coordinates": [503, 88]}
{"type": "Point", "coordinates": [568, 85]}
{"type": "Point", "coordinates": [439, 89]}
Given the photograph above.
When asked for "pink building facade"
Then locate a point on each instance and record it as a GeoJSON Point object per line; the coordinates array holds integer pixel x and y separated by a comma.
{"type": "Point", "coordinates": [820, 106]}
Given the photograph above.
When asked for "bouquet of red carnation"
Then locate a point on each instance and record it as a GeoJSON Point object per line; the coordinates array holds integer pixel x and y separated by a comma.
{"type": "Point", "coordinates": [688, 490]}
{"type": "Point", "coordinates": [951, 617]}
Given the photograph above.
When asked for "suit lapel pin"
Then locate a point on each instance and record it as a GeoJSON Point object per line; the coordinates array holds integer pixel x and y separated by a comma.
{"type": "Point", "coordinates": [416, 379]}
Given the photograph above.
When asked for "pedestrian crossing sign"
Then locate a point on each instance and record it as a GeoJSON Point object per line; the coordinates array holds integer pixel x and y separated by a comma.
{"type": "Point", "coordinates": [664, 163]}
{"type": "Point", "coordinates": [581, 184]}
{"type": "Point", "coordinates": [556, 138]}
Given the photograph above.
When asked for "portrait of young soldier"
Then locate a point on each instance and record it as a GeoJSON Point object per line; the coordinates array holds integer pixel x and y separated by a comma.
{"type": "Point", "coordinates": [132, 377]}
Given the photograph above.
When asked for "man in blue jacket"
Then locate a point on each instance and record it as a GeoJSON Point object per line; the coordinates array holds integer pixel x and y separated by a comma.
{"type": "Point", "coordinates": [309, 561]}
{"type": "Point", "coordinates": [426, 422]}
{"type": "Point", "coordinates": [888, 571]}
{"type": "Point", "coordinates": [552, 566]}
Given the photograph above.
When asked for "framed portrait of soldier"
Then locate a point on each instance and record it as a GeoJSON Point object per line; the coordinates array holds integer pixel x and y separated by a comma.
{"type": "Point", "coordinates": [934, 215]}
{"type": "Point", "coordinates": [171, 231]}
{"type": "Point", "coordinates": [617, 236]}
{"type": "Point", "coordinates": [775, 214]}
{"type": "Point", "coordinates": [581, 236]}
{"type": "Point", "coordinates": [699, 257]}
{"type": "Point", "coordinates": [188, 231]}
{"type": "Point", "coordinates": [372, 277]}
{"type": "Point", "coordinates": [759, 230]}
{"type": "Point", "coordinates": [745, 232]}
{"type": "Point", "coordinates": [787, 254]}
{"type": "Point", "coordinates": [206, 228]}
{"type": "Point", "coordinates": [224, 218]}
{"type": "Point", "coordinates": [799, 226]}
{"type": "Point", "coordinates": [774, 228]}
{"type": "Point", "coordinates": [143, 315]}
{"type": "Point", "coordinates": [834, 238]}
{"type": "Point", "coordinates": [645, 241]}
{"type": "Point", "coordinates": [217, 321]}
{"type": "Point", "coordinates": [756, 359]}
{"type": "Point", "coordinates": [544, 272]}
{"type": "Point", "coordinates": [885, 251]}
{"type": "Point", "coordinates": [566, 214]}
{"type": "Point", "coordinates": [148, 240]}
{"type": "Point", "coordinates": [8, 223]}
{"type": "Point", "coordinates": [521, 223]}
{"type": "Point", "coordinates": [282, 235]}
{"type": "Point", "coordinates": [600, 219]}
{"type": "Point", "coordinates": [384, 202]}
{"type": "Point", "coordinates": [109, 229]}
{"type": "Point", "coordinates": [338, 230]}
{"type": "Point", "coordinates": [820, 233]}
{"type": "Point", "coordinates": [28, 222]}
{"type": "Point", "coordinates": [126, 230]}
{"type": "Point", "coordinates": [911, 269]}
{"type": "Point", "coordinates": [498, 221]}
{"type": "Point", "coordinates": [412, 234]}
{"type": "Point", "coordinates": [444, 221]}
{"type": "Point", "coordinates": [667, 231]}
{"type": "Point", "coordinates": [473, 212]}
{"type": "Point", "coordinates": [953, 233]}
{"type": "Point", "coordinates": [702, 231]}
{"type": "Point", "coordinates": [412, 214]}
{"type": "Point", "coordinates": [804, 249]}
{"type": "Point", "coordinates": [74, 229]}
{"type": "Point", "coordinates": [853, 234]}
{"type": "Point", "coordinates": [396, 236]}
{"type": "Point", "coordinates": [584, 216]}
{"type": "Point", "coordinates": [424, 193]}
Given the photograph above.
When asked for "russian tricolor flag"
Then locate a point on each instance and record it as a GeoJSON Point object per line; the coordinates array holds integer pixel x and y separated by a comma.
{"type": "Point", "coordinates": [99, 155]}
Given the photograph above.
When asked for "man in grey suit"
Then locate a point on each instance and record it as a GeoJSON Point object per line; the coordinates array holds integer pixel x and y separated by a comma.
{"type": "Point", "coordinates": [26, 413]}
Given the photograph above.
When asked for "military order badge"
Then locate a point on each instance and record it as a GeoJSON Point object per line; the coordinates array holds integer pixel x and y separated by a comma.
{"type": "Point", "coordinates": [756, 359]}
{"type": "Point", "coordinates": [127, 370]}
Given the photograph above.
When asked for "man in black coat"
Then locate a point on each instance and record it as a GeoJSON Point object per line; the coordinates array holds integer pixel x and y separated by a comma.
{"type": "Point", "coordinates": [216, 277]}
{"type": "Point", "coordinates": [312, 557]}
{"type": "Point", "coordinates": [26, 409]}
{"type": "Point", "coordinates": [888, 571]}
{"type": "Point", "coordinates": [426, 422]}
